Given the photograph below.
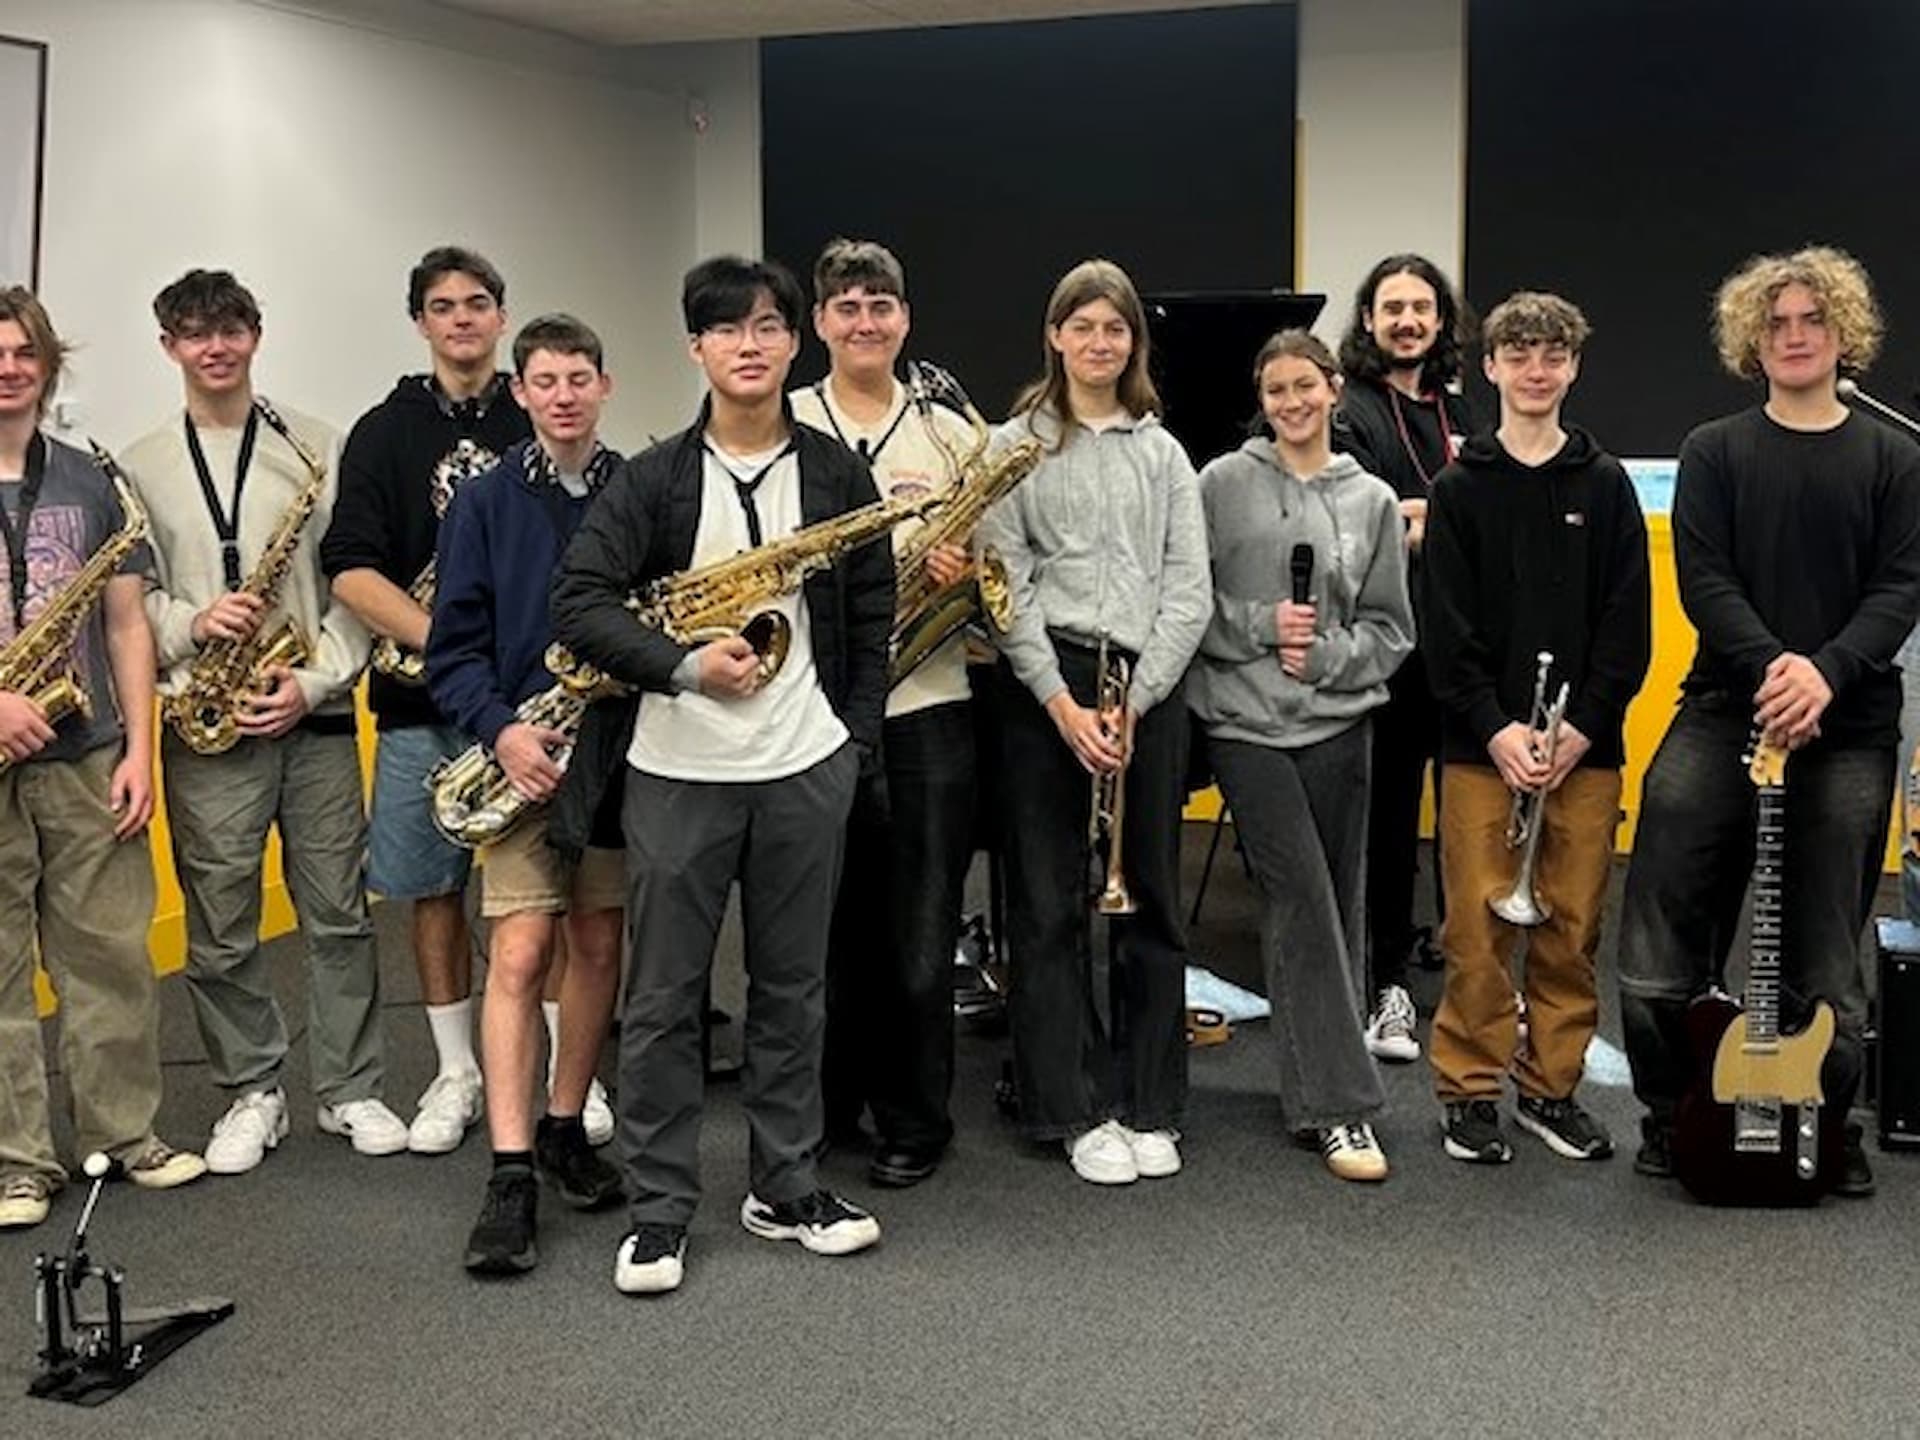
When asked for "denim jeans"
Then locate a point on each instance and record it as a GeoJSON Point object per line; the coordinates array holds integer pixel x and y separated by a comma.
{"type": "Point", "coordinates": [1689, 872]}
{"type": "Point", "coordinates": [1302, 820]}
{"type": "Point", "coordinates": [1071, 1074]}
{"type": "Point", "coordinates": [895, 926]}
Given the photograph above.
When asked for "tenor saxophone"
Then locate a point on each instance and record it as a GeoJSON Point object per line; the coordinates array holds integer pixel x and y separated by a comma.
{"type": "Point", "coordinates": [205, 711]}
{"type": "Point", "coordinates": [474, 803]}
{"type": "Point", "coordinates": [397, 661]}
{"type": "Point", "coordinates": [926, 612]}
{"type": "Point", "coordinates": [735, 596]}
{"type": "Point", "coordinates": [38, 662]}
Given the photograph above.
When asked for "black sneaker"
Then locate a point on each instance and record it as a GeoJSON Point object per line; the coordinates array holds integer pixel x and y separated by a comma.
{"type": "Point", "coordinates": [1856, 1175]}
{"type": "Point", "coordinates": [502, 1238]}
{"type": "Point", "coordinates": [572, 1166]}
{"type": "Point", "coordinates": [822, 1222]}
{"type": "Point", "coordinates": [1472, 1131]}
{"type": "Point", "coordinates": [1567, 1129]}
{"type": "Point", "coordinates": [1655, 1155]}
{"type": "Point", "coordinates": [651, 1260]}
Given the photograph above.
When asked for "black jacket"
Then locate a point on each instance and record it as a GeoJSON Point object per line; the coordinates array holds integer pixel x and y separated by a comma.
{"type": "Point", "coordinates": [641, 527]}
{"type": "Point", "coordinates": [402, 463]}
{"type": "Point", "coordinates": [1523, 559]}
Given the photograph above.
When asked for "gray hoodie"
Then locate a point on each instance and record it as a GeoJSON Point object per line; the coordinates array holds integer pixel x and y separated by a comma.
{"type": "Point", "coordinates": [1257, 512]}
{"type": "Point", "coordinates": [1104, 536]}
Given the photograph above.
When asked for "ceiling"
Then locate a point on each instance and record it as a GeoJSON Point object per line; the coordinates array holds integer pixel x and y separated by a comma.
{"type": "Point", "coordinates": [655, 22]}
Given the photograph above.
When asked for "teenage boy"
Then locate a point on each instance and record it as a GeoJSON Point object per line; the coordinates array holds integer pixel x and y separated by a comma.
{"type": "Point", "coordinates": [216, 482]}
{"type": "Point", "coordinates": [76, 792]}
{"type": "Point", "coordinates": [1796, 531]}
{"type": "Point", "coordinates": [890, 970]}
{"type": "Point", "coordinates": [728, 776]}
{"type": "Point", "coordinates": [502, 536]}
{"type": "Point", "coordinates": [1534, 545]}
{"type": "Point", "coordinates": [403, 461]}
{"type": "Point", "coordinates": [1400, 417]}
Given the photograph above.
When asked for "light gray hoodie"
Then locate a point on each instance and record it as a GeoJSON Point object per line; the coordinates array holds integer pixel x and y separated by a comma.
{"type": "Point", "coordinates": [1104, 537]}
{"type": "Point", "coordinates": [1257, 512]}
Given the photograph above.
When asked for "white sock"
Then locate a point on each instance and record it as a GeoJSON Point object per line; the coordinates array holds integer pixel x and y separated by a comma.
{"type": "Point", "coordinates": [452, 1027]}
{"type": "Point", "coordinates": [551, 1010]}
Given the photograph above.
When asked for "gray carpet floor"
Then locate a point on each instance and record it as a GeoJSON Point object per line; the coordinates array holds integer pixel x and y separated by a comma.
{"type": "Point", "coordinates": [1252, 1294]}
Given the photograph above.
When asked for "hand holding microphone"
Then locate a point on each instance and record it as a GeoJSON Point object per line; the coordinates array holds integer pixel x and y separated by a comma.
{"type": "Point", "coordinates": [1295, 619]}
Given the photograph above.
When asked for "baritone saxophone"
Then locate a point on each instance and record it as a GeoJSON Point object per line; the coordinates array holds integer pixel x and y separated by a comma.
{"type": "Point", "coordinates": [926, 612]}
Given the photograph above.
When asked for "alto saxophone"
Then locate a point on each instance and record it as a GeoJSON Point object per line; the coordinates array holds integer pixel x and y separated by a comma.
{"type": "Point", "coordinates": [925, 611]}
{"type": "Point", "coordinates": [205, 712]}
{"type": "Point", "coordinates": [735, 596]}
{"type": "Point", "coordinates": [38, 662]}
{"type": "Point", "coordinates": [395, 660]}
{"type": "Point", "coordinates": [474, 803]}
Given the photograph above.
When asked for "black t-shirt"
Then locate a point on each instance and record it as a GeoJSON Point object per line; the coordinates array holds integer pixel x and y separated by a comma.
{"type": "Point", "coordinates": [1802, 541]}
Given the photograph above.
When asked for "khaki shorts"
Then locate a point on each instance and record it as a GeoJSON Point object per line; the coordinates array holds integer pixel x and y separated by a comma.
{"type": "Point", "coordinates": [521, 874]}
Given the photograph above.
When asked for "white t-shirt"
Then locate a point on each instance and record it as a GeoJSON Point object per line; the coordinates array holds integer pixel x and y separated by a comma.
{"type": "Point", "coordinates": [777, 731]}
{"type": "Point", "coordinates": [907, 464]}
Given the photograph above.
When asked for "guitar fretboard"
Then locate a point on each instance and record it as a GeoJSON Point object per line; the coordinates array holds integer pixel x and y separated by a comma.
{"type": "Point", "coordinates": [1763, 969]}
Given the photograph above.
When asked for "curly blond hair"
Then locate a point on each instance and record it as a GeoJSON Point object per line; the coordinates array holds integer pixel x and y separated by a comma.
{"type": "Point", "coordinates": [1743, 307]}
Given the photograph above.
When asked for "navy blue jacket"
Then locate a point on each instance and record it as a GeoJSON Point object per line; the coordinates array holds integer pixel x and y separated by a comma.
{"type": "Point", "coordinates": [500, 542]}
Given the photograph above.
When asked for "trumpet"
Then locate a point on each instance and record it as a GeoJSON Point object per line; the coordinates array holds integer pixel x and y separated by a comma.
{"type": "Point", "coordinates": [1109, 814]}
{"type": "Point", "coordinates": [1522, 904]}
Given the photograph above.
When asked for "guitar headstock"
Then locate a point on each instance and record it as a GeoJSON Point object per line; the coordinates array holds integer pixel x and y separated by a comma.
{"type": "Point", "coordinates": [1766, 761]}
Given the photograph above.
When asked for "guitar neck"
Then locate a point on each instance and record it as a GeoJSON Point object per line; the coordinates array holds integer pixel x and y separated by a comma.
{"type": "Point", "coordinates": [1763, 969]}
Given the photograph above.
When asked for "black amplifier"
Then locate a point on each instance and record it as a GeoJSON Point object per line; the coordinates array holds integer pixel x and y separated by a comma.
{"type": "Point", "coordinates": [1896, 1057]}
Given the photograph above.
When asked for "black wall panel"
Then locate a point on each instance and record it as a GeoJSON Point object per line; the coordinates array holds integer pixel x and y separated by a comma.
{"type": "Point", "coordinates": [993, 157]}
{"type": "Point", "coordinates": [1629, 153]}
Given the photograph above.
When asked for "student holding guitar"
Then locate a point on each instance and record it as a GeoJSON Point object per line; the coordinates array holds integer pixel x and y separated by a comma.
{"type": "Point", "coordinates": [1796, 530]}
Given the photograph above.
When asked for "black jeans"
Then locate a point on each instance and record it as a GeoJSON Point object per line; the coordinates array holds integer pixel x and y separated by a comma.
{"type": "Point", "coordinates": [1406, 737]}
{"type": "Point", "coordinates": [895, 926]}
{"type": "Point", "coordinates": [1692, 858]}
{"type": "Point", "coordinates": [1071, 1075]}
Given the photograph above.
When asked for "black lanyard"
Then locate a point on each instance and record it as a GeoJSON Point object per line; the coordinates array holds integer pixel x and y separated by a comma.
{"type": "Point", "coordinates": [743, 489]}
{"type": "Point", "coordinates": [859, 447]}
{"type": "Point", "coordinates": [227, 527]}
{"type": "Point", "coordinates": [16, 533]}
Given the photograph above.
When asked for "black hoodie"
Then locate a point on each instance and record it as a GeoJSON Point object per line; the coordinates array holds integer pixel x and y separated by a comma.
{"type": "Point", "coordinates": [401, 465]}
{"type": "Point", "coordinates": [1521, 559]}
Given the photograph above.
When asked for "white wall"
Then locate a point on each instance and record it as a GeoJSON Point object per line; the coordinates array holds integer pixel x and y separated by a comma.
{"type": "Point", "coordinates": [718, 88]}
{"type": "Point", "coordinates": [1382, 111]}
{"type": "Point", "coordinates": [317, 151]}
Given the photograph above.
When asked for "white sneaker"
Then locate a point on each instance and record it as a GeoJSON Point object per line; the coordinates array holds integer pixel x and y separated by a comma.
{"type": "Point", "coordinates": [597, 1114]}
{"type": "Point", "coordinates": [253, 1125]}
{"type": "Point", "coordinates": [1156, 1153]}
{"type": "Point", "coordinates": [1103, 1156]}
{"type": "Point", "coordinates": [1352, 1152]}
{"type": "Point", "coordinates": [369, 1124]}
{"type": "Point", "coordinates": [651, 1260]}
{"type": "Point", "coordinates": [1390, 1028]}
{"type": "Point", "coordinates": [448, 1106]}
{"type": "Point", "coordinates": [24, 1200]}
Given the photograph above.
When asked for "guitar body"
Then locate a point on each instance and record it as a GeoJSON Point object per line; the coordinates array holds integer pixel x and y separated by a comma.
{"type": "Point", "coordinates": [1723, 1157]}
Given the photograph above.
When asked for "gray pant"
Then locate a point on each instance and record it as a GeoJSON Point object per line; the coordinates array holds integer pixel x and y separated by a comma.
{"type": "Point", "coordinates": [87, 899]}
{"type": "Point", "coordinates": [220, 808]}
{"type": "Point", "coordinates": [1301, 816]}
{"type": "Point", "coordinates": [687, 842]}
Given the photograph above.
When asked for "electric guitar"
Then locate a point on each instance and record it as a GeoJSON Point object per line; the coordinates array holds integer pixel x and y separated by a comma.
{"type": "Point", "coordinates": [1750, 1131]}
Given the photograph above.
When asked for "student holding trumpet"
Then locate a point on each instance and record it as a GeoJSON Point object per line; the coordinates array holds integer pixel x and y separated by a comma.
{"type": "Point", "coordinates": [1536, 575]}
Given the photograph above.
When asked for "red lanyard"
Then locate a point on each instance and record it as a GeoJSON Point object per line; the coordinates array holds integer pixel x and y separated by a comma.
{"type": "Point", "coordinates": [1406, 438]}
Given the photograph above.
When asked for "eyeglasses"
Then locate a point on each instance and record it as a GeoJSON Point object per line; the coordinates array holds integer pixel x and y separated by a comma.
{"type": "Point", "coordinates": [765, 329]}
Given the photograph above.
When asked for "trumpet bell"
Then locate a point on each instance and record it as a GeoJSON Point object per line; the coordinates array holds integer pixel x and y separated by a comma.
{"type": "Point", "coordinates": [1520, 907]}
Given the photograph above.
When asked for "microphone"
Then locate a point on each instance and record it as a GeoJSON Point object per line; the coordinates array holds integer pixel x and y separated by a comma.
{"type": "Point", "coordinates": [1850, 391]}
{"type": "Point", "coordinates": [1302, 567]}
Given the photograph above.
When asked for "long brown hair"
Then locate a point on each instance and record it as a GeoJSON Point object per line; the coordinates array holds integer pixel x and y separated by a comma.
{"type": "Point", "coordinates": [1087, 282]}
{"type": "Point", "coordinates": [21, 306]}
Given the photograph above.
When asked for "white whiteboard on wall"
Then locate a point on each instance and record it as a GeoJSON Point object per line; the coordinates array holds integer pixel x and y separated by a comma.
{"type": "Point", "coordinates": [23, 74]}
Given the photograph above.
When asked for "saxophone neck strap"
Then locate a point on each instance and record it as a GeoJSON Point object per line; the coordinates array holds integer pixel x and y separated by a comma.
{"type": "Point", "coordinates": [866, 450]}
{"type": "Point", "coordinates": [743, 490]}
{"type": "Point", "coordinates": [225, 524]}
{"type": "Point", "coordinates": [15, 528]}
